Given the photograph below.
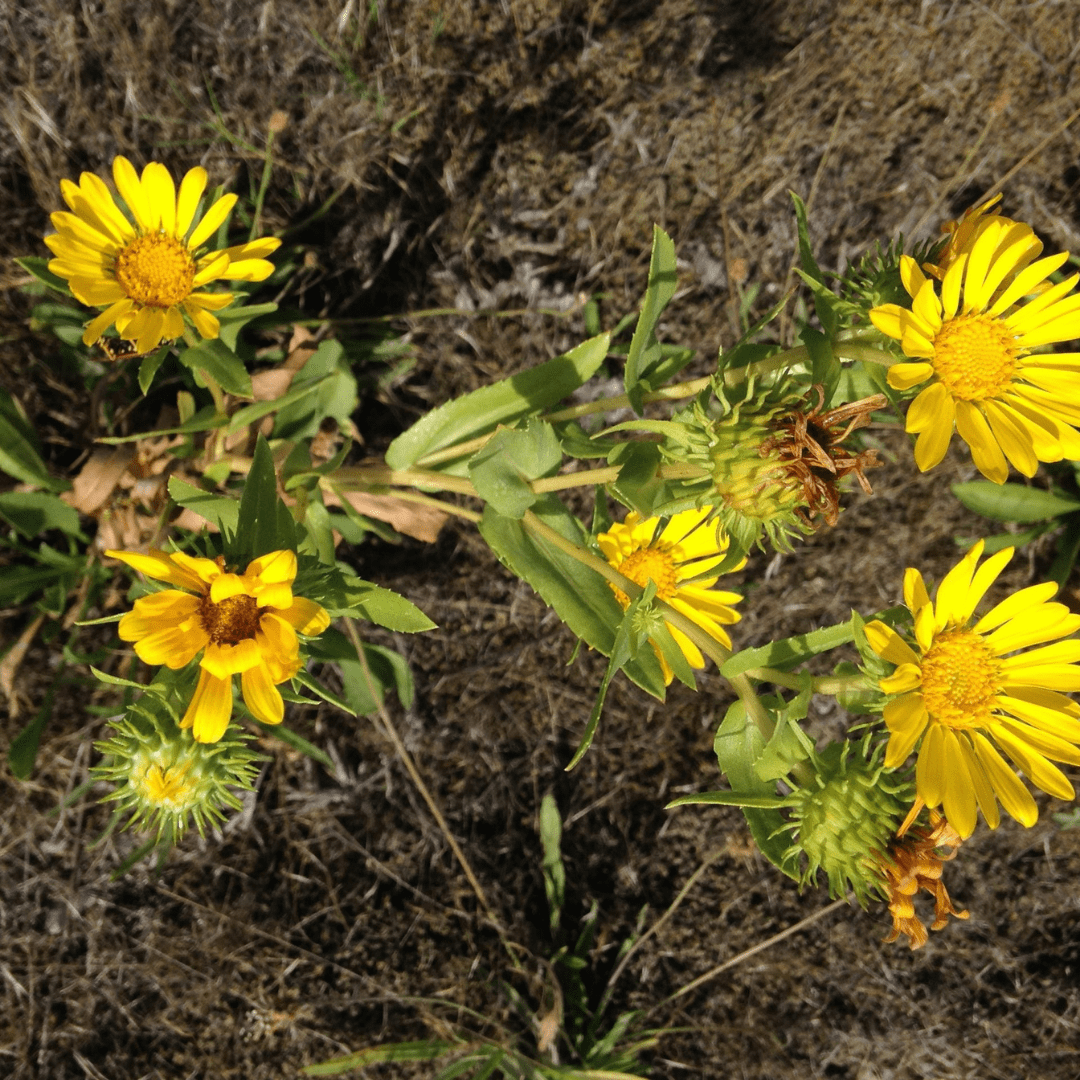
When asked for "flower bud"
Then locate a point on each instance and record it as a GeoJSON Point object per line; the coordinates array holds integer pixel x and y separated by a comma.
{"type": "Point", "coordinates": [164, 778]}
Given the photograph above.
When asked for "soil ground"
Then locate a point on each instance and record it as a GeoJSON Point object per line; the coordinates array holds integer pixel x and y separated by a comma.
{"type": "Point", "coordinates": [514, 154]}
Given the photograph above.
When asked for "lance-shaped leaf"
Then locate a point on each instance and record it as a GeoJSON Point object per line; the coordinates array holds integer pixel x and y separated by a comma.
{"type": "Point", "coordinates": [645, 355]}
{"type": "Point", "coordinates": [579, 595]}
{"type": "Point", "coordinates": [524, 394]}
{"type": "Point", "coordinates": [501, 471]}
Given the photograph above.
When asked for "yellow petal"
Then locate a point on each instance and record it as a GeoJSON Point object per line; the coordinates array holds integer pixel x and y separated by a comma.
{"type": "Point", "coordinates": [160, 194]}
{"type": "Point", "coordinates": [980, 782]}
{"type": "Point", "coordinates": [128, 184]}
{"type": "Point", "coordinates": [224, 661]}
{"type": "Point", "coordinates": [211, 220]}
{"type": "Point", "coordinates": [1015, 798]}
{"type": "Point", "coordinates": [958, 797]}
{"type": "Point", "coordinates": [161, 566]}
{"type": "Point", "coordinates": [1037, 769]}
{"type": "Point", "coordinates": [306, 617]}
{"type": "Point", "coordinates": [1026, 281]}
{"type": "Point", "coordinates": [930, 767]}
{"type": "Point", "coordinates": [888, 644]}
{"type": "Point", "coordinates": [915, 595]}
{"type": "Point", "coordinates": [905, 376]}
{"type": "Point", "coordinates": [210, 708]}
{"type": "Point", "coordinates": [1031, 597]}
{"type": "Point", "coordinates": [174, 647]}
{"type": "Point", "coordinates": [972, 427]}
{"type": "Point", "coordinates": [276, 567]}
{"type": "Point", "coordinates": [227, 585]}
{"type": "Point", "coordinates": [191, 189]}
{"type": "Point", "coordinates": [261, 696]}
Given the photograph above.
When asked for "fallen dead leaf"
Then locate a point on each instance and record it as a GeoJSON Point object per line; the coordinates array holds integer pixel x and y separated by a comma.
{"type": "Point", "coordinates": [98, 479]}
{"type": "Point", "coordinates": [411, 519]}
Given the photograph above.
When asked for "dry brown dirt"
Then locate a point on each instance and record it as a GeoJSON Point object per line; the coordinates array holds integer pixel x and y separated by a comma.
{"type": "Point", "coordinates": [514, 154]}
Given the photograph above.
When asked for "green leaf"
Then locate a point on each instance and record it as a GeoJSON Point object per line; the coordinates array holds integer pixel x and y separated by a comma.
{"type": "Point", "coordinates": [328, 373]}
{"type": "Point", "coordinates": [206, 419]}
{"type": "Point", "coordinates": [18, 448]}
{"type": "Point", "coordinates": [34, 512]}
{"type": "Point", "coordinates": [151, 362]}
{"type": "Point", "coordinates": [825, 368]}
{"type": "Point", "coordinates": [219, 510]}
{"type": "Point", "coordinates": [264, 523]}
{"type": "Point", "coordinates": [638, 484]}
{"type": "Point", "coordinates": [626, 646]}
{"type": "Point", "coordinates": [39, 268]}
{"type": "Point", "coordinates": [502, 469]}
{"type": "Point", "coordinates": [235, 317]}
{"type": "Point", "coordinates": [553, 869]}
{"type": "Point", "coordinates": [1068, 548]}
{"type": "Point", "coordinates": [727, 798]}
{"type": "Point", "coordinates": [22, 753]}
{"type": "Point", "coordinates": [738, 745]}
{"type": "Point", "coordinates": [251, 414]}
{"type": "Point", "coordinates": [503, 402]}
{"type": "Point", "coordinates": [788, 652]}
{"type": "Point", "coordinates": [297, 742]}
{"type": "Point", "coordinates": [115, 680]}
{"type": "Point", "coordinates": [388, 669]}
{"type": "Point", "coordinates": [645, 354]}
{"type": "Point", "coordinates": [580, 596]}
{"type": "Point", "coordinates": [428, 1050]}
{"type": "Point", "coordinates": [1013, 502]}
{"type": "Point", "coordinates": [219, 362]}
{"type": "Point", "coordinates": [389, 609]}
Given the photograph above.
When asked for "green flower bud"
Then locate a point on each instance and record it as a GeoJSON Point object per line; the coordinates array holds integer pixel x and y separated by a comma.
{"type": "Point", "coordinates": [165, 779]}
{"type": "Point", "coordinates": [843, 819]}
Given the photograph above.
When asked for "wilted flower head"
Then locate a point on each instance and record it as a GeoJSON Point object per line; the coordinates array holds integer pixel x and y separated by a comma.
{"type": "Point", "coordinates": [914, 862]}
{"type": "Point", "coordinates": [775, 459]}
{"type": "Point", "coordinates": [146, 263]}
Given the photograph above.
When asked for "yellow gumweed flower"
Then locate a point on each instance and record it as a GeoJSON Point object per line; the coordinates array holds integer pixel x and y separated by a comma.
{"type": "Point", "coordinates": [968, 693]}
{"type": "Point", "coordinates": [146, 267]}
{"type": "Point", "coordinates": [974, 345]}
{"type": "Point", "coordinates": [244, 624]}
{"type": "Point", "coordinates": [678, 558]}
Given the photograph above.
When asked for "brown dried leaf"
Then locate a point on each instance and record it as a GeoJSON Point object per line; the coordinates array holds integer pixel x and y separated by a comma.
{"type": "Point", "coordinates": [409, 518]}
{"type": "Point", "coordinates": [98, 479]}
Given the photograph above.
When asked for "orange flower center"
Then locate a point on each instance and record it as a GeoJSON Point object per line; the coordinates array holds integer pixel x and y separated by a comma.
{"type": "Point", "coordinates": [960, 679]}
{"type": "Point", "coordinates": [156, 270]}
{"type": "Point", "coordinates": [975, 357]}
{"type": "Point", "coordinates": [166, 785]}
{"type": "Point", "coordinates": [645, 565]}
{"type": "Point", "coordinates": [234, 620]}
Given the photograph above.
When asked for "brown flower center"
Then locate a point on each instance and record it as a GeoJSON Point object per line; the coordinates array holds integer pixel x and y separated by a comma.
{"type": "Point", "coordinates": [234, 620]}
{"type": "Point", "coordinates": [156, 270]}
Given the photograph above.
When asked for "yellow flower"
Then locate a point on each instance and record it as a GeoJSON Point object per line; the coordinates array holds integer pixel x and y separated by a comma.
{"type": "Point", "coordinates": [969, 688]}
{"type": "Point", "coordinates": [976, 342]}
{"type": "Point", "coordinates": [244, 624]}
{"type": "Point", "coordinates": [678, 558]}
{"type": "Point", "coordinates": [145, 268]}
{"type": "Point", "coordinates": [962, 231]}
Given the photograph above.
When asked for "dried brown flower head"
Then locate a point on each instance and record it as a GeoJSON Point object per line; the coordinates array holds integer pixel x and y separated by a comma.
{"type": "Point", "coordinates": [915, 862]}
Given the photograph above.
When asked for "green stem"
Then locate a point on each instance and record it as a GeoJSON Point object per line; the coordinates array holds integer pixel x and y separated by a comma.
{"type": "Point", "coordinates": [364, 477]}
{"type": "Point", "coordinates": [866, 353]}
{"type": "Point", "coordinates": [675, 392]}
{"type": "Point", "coordinates": [833, 685]}
{"type": "Point", "coordinates": [589, 477]}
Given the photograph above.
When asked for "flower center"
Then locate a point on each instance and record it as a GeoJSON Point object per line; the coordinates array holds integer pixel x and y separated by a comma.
{"type": "Point", "coordinates": [960, 679]}
{"type": "Point", "coordinates": [156, 270]}
{"type": "Point", "coordinates": [166, 785]}
{"type": "Point", "coordinates": [645, 565]}
{"type": "Point", "coordinates": [975, 357]}
{"type": "Point", "coordinates": [234, 620]}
